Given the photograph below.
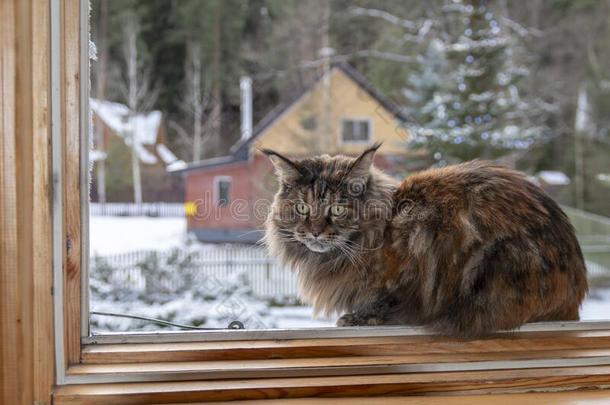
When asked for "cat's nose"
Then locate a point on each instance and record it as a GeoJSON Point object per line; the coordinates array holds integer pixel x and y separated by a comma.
{"type": "Point", "coordinates": [315, 234]}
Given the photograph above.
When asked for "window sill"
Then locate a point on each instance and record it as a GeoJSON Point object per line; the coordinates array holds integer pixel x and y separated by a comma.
{"type": "Point", "coordinates": [530, 339]}
{"type": "Point", "coordinates": [419, 364]}
{"type": "Point", "coordinates": [479, 382]}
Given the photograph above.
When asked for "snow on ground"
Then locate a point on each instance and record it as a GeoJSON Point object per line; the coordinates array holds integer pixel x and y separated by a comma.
{"type": "Point", "coordinates": [298, 317]}
{"type": "Point", "coordinates": [597, 304]}
{"type": "Point", "coordinates": [114, 235]}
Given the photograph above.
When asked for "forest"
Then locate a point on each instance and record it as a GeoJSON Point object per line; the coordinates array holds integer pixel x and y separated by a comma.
{"type": "Point", "coordinates": [523, 82]}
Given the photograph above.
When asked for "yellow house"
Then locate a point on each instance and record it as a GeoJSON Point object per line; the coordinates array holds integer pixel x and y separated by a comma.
{"type": "Point", "coordinates": [339, 114]}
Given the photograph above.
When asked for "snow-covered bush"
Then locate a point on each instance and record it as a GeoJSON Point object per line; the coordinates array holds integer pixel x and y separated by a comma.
{"type": "Point", "coordinates": [169, 287]}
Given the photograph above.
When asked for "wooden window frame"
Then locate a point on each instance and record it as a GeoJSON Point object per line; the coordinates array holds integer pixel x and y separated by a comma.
{"type": "Point", "coordinates": [42, 295]}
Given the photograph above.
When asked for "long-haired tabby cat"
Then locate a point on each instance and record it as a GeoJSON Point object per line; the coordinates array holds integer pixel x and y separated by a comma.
{"type": "Point", "coordinates": [466, 250]}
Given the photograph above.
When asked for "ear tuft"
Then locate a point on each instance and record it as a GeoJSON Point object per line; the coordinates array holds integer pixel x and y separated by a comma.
{"type": "Point", "coordinates": [286, 169]}
{"type": "Point", "coordinates": [362, 165]}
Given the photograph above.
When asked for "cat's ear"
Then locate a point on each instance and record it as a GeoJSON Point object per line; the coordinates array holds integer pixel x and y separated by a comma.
{"type": "Point", "coordinates": [285, 168]}
{"type": "Point", "coordinates": [362, 165]}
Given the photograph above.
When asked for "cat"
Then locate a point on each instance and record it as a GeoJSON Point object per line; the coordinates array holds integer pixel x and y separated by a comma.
{"type": "Point", "coordinates": [465, 250]}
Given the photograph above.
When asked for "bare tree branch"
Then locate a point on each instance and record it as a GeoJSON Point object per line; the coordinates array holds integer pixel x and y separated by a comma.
{"type": "Point", "coordinates": [196, 100]}
{"type": "Point", "coordinates": [141, 95]}
{"type": "Point", "coordinates": [417, 31]}
{"type": "Point", "coordinates": [520, 29]}
{"type": "Point", "coordinates": [138, 91]}
{"type": "Point", "coordinates": [182, 133]}
{"type": "Point", "coordinates": [372, 53]}
{"type": "Point", "coordinates": [384, 15]}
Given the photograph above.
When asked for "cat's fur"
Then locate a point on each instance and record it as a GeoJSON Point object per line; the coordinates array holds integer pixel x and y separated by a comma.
{"type": "Point", "coordinates": [466, 250]}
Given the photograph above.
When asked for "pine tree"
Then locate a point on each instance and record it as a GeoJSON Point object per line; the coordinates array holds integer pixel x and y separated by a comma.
{"type": "Point", "coordinates": [466, 102]}
{"type": "Point", "coordinates": [423, 82]}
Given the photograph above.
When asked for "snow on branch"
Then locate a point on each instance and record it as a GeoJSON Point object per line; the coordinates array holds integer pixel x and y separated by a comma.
{"type": "Point", "coordinates": [469, 45]}
{"type": "Point", "coordinates": [373, 53]}
{"type": "Point", "coordinates": [364, 53]}
{"type": "Point", "coordinates": [417, 30]}
{"type": "Point", "coordinates": [520, 29]}
{"type": "Point", "coordinates": [384, 15]}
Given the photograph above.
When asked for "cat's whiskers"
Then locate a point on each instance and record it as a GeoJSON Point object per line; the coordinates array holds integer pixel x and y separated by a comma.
{"type": "Point", "coordinates": [349, 247]}
{"type": "Point", "coordinates": [348, 255]}
{"type": "Point", "coordinates": [353, 256]}
{"type": "Point", "coordinates": [359, 246]}
{"type": "Point", "coordinates": [287, 236]}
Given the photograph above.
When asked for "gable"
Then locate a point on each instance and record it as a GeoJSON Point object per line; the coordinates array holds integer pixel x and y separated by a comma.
{"type": "Point", "coordinates": [313, 123]}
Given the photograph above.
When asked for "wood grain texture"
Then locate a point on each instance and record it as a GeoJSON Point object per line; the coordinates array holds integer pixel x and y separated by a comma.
{"type": "Point", "coordinates": [42, 255]}
{"type": "Point", "coordinates": [600, 397]}
{"type": "Point", "coordinates": [70, 117]}
{"type": "Point", "coordinates": [25, 210]}
{"type": "Point", "coordinates": [373, 366]}
{"type": "Point", "coordinates": [479, 382]}
{"type": "Point", "coordinates": [9, 299]}
{"type": "Point", "coordinates": [330, 365]}
{"type": "Point", "coordinates": [337, 347]}
{"type": "Point", "coordinates": [23, 174]}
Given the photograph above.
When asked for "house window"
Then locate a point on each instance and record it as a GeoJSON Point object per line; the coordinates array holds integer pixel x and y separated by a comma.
{"type": "Point", "coordinates": [310, 122]}
{"type": "Point", "coordinates": [222, 191]}
{"type": "Point", "coordinates": [356, 131]}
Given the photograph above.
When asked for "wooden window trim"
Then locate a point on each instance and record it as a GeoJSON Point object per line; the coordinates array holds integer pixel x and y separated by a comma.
{"type": "Point", "coordinates": [408, 363]}
{"type": "Point", "coordinates": [421, 354]}
{"type": "Point", "coordinates": [26, 324]}
{"type": "Point", "coordinates": [481, 382]}
{"type": "Point", "coordinates": [315, 358]}
{"type": "Point", "coordinates": [72, 130]}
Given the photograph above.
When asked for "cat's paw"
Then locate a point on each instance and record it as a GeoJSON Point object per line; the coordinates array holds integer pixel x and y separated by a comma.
{"type": "Point", "coordinates": [356, 320]}
{"type": "Point", "coordinates": [347, 320]}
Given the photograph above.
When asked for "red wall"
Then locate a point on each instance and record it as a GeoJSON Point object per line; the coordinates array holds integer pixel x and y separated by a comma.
{"type": "Point", "coordinates": [252, 187]}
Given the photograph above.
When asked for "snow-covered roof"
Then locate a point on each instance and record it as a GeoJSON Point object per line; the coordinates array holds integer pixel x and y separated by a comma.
{"type": "Point", "coordinates": [168, 157]}
{"type": "Point", "coordinates": [165, 154]}
{"type": "Point", "coordinates": [116, 116]}
{"type": "Point", "coordinates": [145, 155]}
{"type": "Point", "coordinates": [144, 125]}
{"type": "Point", "coordinates": [554, 178]}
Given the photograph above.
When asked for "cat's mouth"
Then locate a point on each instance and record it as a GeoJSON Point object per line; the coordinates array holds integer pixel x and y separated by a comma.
{"type": "Point", "coordinates": [317, 246]}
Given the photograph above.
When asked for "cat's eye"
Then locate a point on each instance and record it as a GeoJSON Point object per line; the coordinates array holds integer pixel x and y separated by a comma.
{"type": "Point", "coordinates": [302, 208]}
{"type": "Point", "coordinates": [337, 210]}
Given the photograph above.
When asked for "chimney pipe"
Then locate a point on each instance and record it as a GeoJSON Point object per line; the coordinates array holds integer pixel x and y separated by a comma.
{"type": "Point", "coordinates": [245, 86]}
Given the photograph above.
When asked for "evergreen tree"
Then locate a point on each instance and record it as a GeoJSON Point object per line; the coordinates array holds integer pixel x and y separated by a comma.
{"type": "Point", "coordinates": [466, 102]}
{"type": "Point", "coordinates": [423, 82]}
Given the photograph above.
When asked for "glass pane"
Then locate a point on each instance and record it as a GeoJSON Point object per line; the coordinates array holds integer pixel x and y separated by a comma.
{"type": "Point", "coordinates": [363, 131]}
{"type": "Point", "coordinates": [355, 131]}
{"type": "Point", "coordinates": [186, 96]}
{"type": "Point", "coordinates": [348, 131]}
{"type": "Point", "coordinates": [223, 192]}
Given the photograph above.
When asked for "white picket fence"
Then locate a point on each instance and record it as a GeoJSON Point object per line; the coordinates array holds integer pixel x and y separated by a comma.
{"type": "Point", "coordinates": [157, 209]}
{"type": "Point", "coordinates": [212, 264]}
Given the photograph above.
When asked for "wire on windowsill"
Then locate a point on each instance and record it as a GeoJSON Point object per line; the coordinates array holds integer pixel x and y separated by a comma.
{"type": "Point", "coordinates": [234, 325]}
